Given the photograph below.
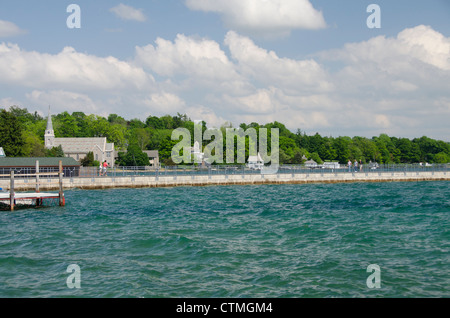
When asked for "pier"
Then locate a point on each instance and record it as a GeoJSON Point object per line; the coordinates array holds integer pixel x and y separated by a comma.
{"type": "Point", "coordinates": [141, 178]}
{"type": "Point", "coordinates": [37, 198]}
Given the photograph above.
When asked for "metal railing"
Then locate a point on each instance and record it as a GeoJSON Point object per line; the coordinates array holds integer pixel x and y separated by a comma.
{"type": "Point", "coordinates": [29, 172]}
{"type": "Point", "coordinates": [90, 172]}
{"type": "Point", "coordinates": [244, 170]}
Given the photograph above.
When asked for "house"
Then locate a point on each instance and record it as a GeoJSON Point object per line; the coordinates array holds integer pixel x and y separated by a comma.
{"type": "Point", "coordinates": [78, 148]}
{"type": "Point", "coordinates": [2, 153]}
{"type": "Point", "coordinates": [255, 162]}
{"type": "Point", "coordinates": [153, 156]}
{"type": "Point", "coordinates": [311, 164]}
{"type": "Point", "coordinates": [331, 165]}
{"type": "Point", "coordinates": [71, 167]}
{"type": "Point", "coordinates": [198, 155]}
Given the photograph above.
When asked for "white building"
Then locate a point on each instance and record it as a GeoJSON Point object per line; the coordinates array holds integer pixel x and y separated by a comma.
{"type": "Point", "coordinates": [198, 155]}
{"type": "Point", "coordinates": [311, 164]}
{"type": "Point", "coordinates": [255, 162]}
{"type": "Point", "coordinates": [78, 148]}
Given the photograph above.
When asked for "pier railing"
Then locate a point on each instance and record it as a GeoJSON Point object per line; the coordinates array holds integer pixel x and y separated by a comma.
{"type": "Point", "coordinates": [45, 172]}
{"type": "Point", "coordinates": [91, 172]}
{"type": "Point", "coordinates": [37, 174]}
{"type": "Point", "coordinates": [242, 169]}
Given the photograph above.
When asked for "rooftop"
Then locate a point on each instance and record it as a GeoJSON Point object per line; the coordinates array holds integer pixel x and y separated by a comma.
{"type": "Point", "coordinates": [31, 162]}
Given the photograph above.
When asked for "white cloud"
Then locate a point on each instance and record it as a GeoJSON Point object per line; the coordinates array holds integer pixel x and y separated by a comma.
{"type": "Point", "coordinates": [396, 85]}
{"type": "Point", "coordinates": [201, 58]}
{"type": "Point", "coordinates": [266, 67]}
{"type": "Point", "coordinates": [165, 103]}
{"type": "Point", "coordinates": [68, 69]}
{"type": "Point", "coordinates": [200, 112]}
{"type": "Point", "coordinates": [9, 29]}
{"type": "Point", "coordinates": [61, 101]}
{"type": "Point", "coordinates": [275, 17]}
{"type": "Point", "coordinates": [6, 102]}
{"type": "Point", "coordinates": [128, 13]}
{"type": "Point", "coordinates": [416, 60]}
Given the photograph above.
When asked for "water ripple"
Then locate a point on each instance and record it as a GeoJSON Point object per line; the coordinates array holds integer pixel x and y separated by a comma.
{"type": "Point", "coordinates": [233, 241]}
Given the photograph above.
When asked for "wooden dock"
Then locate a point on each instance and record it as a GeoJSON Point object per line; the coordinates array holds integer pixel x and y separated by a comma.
{"type": "Point", "coordinates": [37, 198]}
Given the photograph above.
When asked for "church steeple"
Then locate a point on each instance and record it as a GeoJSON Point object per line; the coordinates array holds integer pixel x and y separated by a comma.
{"type": "Point", "coordinates": [49, 133]}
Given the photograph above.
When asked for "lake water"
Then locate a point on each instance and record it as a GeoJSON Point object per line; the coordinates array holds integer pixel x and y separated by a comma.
{"type": "Point", "coordinates": [273, 241]}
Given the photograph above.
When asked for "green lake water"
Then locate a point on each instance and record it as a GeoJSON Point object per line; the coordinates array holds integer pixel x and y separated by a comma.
{"type": "Point", "coordinates": [270, 241]}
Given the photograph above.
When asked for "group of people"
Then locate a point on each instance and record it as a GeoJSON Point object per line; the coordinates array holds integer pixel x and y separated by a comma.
{"type": "Point", "coordinates": [103, 168]}
{"type": "Point", "coordinates": [355, 165]}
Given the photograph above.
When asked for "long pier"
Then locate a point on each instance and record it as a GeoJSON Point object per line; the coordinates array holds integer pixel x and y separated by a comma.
{"type": "Point", "coordinates": [12, 198]}
{"type": "Point", "coordinates": [151, 181]}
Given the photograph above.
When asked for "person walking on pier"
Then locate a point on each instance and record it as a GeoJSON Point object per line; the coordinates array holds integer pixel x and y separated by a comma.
{"type": "Point", "coordinates": [105, 167]}
{"type": "Point", "coordinates": [349, 165]}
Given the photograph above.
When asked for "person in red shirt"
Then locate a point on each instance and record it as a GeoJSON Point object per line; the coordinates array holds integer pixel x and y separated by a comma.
{"type": "Point", "coordinates": [105, 167]}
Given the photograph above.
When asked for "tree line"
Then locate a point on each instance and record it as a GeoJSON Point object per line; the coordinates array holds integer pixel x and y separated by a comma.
{"type": "Point", "coordinates": [22, 135]}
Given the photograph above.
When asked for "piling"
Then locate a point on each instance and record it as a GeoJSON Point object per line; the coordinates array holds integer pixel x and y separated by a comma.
{"type": "Point", "coordinates": [62, 201]}
{"type": "Point", "coordinates": [37, 196]}
{"type": "Point", "coordinates": [11, 191]}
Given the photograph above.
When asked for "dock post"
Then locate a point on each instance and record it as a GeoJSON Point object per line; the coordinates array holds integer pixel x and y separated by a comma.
{"type": "Point", "coordinates": [37, 176]}
{"type": "Point", "coordinates": [11, 191]}
{"type": "Point", "coordinates": [38, 201]}
{"type": "Point", "coordinates": [62, 201]}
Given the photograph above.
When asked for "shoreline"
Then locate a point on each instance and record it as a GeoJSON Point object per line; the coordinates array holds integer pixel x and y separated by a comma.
{"type": "Point", "coordinates": [111, 182]}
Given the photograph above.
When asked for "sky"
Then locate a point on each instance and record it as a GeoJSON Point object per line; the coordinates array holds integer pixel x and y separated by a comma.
{"type": "Point", "coordinates": [332, 67]}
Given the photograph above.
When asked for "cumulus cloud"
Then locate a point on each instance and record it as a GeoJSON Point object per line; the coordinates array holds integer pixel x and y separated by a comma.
{"type": "Point", "coordinates": [385, 84]}
{"type": "Point", "coordinates": [128, 13]}
{"type": "Point", "coordinates": [68, 68]}
{"type": "Point", "coordinates": [268, 68]}
{"type": "Point", "coordinates": [9, 29]}
{"type": "Point", "coordinates": [165, 102]}
{"type": "Point", "coordinates": [417, 58]}
{"type": "Point", "coordinates": [187, 56]}
{"type": "Point", "coordinates": [276, 17]}
{"type": "Point", "coordinates": [61, 101]}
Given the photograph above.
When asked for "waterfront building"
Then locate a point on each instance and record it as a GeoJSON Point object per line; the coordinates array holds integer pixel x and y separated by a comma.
{"type": "Point", "coordinates": [78, 148]}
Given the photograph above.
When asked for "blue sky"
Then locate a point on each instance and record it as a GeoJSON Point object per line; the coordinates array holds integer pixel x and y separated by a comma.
{"type": "Point", "coordinates": [311, 64]}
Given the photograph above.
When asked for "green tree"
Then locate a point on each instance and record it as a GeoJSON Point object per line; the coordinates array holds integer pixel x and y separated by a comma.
{"type": "Point", "coordinates": [116, 119]}
{"type": "Point", "coordinates": [116, 133]}
{"type": "Point", "coordinates": [65, 126]}
{"type": "Point", "coordinates": [33, 146]}
{"type": "Point", "coordinates": [284, 158]}
{"type": "Point", "coordinates": [133, 157]}
{"type": "Point", "coordinates": [341, 145]}
{"type": "Point", "coordinates": [367, 147]}
{"type": "Point", "coordinates": [442, 157]}
{"type": "Point", "coordinates": [165, 150]}
{"type": "Point", "coordinates": [55, 152]}
{"type": "Point", "coordinates": [298, 156]}
{"type": "Point", "coordinates": [135, 123]}
{"type": "Point", "coordinates": [326, 150]}
{"type": "Point", "coordinates": [316, 158]}
{"type": "Point", "coordinates": [154, 122]}
{"type": "Point", "coordinates": [140, 136]}
{"type": "Point", "coordinates": [89, 161]}
{"type": "Point", "coordinates": [11, 137]}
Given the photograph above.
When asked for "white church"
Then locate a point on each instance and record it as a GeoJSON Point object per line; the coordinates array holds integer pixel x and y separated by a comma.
{"type": "Point", "coordinates": [78, 148]}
